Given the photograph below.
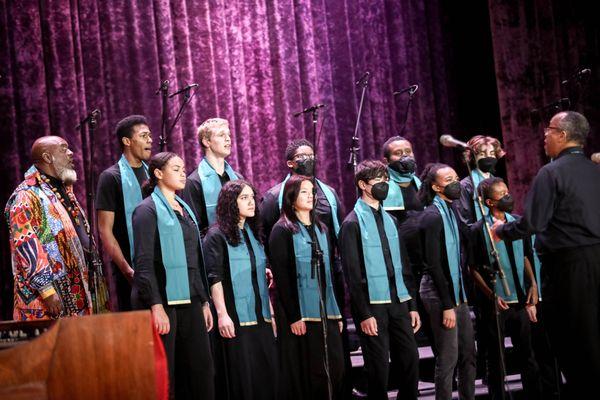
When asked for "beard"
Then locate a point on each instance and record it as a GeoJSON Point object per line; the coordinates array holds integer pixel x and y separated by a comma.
{"type": "Point", "coordinates": [67, 175]}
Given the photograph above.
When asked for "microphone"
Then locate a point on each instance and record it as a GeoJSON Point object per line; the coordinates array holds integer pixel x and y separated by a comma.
{"type": "Point", "coordinates": [578, 75]}
{"type": "Point", "coordinates": [164, 85]}
{"type": "Point", "coordinates": [411, 90]}
{"type": "Point", "coordinates": [92, 117]}
{"type": "Point", "coordinates": [309, 109]}
{"type": "Point", "coordinates": [364, 79]}
{"type": "Point", "coordinates": [449, 141]}
{"type": "Point", "coordinates": [185, 89]}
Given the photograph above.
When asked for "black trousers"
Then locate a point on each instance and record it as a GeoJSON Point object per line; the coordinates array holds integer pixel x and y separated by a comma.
{"type": "Point", "coordinates": [571, 292]}
{"type": "Point", "coordinates": [547, 363]}
{"type": "Point", "coordinates": [123, 288]}
{"type": "Point", "coordinates": [395, 340]}
{"type": "Point", "coordinates": [302, 375]}
{"type": "Point", "coordinates": [515, 323]}
{"type": "Point", "coordinates": [191, 370]}
{"type": "Point", "coordinates": [250, 363]}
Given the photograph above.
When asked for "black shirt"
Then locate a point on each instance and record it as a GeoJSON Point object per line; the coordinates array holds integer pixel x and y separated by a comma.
{"type": "Point", "coordinates": [465, 205]}
{"type": "Point", "coordinates": [270, 212]}
{"type": "Point", "coordinates": [411, 201]}
{"type": "Point", "coordinates": [78, 223]}
{"type": "Point", "coordinates": [562, 206]}
{"type": "Point", "coordinates": [351, 251]}
{"type": "Point", "coordinates": [149, 280]}
{"type": "Point", "coordinates": [283, 264]}
{"type": "Point", "coordinates": [478, 257]}
{"type": "Point", "coordinates": [109, 197]}
{"type": "Point", "coordinates": [216, 258]}
{"type": "Point", "coordinates": [435, 258]}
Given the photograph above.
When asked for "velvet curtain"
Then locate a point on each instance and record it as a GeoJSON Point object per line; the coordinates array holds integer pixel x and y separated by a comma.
{"type": "Point", "coordinates": [537, 45]}
{"type": "Point", "coordinates": [256, 62]}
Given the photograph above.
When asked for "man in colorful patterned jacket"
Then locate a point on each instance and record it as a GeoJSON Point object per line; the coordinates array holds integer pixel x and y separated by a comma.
{"type": "Point", "coordinates": [48, 237]}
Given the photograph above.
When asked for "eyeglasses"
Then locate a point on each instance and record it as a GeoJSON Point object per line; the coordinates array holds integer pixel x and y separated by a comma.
{"type": "Point", "coordinates": [302, 157]}
{"type": "Point", "coordinates": [550, 128]}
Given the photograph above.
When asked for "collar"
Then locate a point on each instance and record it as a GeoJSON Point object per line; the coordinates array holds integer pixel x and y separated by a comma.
{"type": "Point", "coordinates": [570, 150]}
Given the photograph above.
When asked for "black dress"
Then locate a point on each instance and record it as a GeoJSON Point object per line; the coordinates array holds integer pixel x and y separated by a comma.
{"type": "Point", "coordinates": [247, 362]}
{"type": "Point", "coordinates": [303, 375]}
{"type": "Point", "coordinates": [191, 370]}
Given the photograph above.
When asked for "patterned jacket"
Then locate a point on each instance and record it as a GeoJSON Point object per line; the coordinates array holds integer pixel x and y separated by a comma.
{"type": "Point", "coordinates": [45, 251]}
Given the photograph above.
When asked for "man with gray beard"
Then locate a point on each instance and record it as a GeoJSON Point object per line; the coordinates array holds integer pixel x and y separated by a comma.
{"type": "Point", "coordinates": [49, 237]}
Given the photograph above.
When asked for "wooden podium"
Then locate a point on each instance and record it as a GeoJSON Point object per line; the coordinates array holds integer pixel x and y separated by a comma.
{"type": "Point", "coordinates": [108, 356]}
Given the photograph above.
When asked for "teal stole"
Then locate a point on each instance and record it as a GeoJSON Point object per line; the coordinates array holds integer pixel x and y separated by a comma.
{"type": "Point", "coordinates": [240, 269]}
{"type": "Point", "coordinates": [477, 178]}
{"type": "Point", "coordinates": [452, 240]}
{"type": "Point", "coordinates": [132, 196]}
{"type": "Point", "coordinates": [172, 247]}
{"type": "Point", "coordinates": [537, 267]}
{"type": "Point", "coordinates": [519, 256]}
{"type": "Point", "coordinates": [394, 199]}
{"type": "Point", "coordinates": [328, 195]}
{"type": "Point", "coordinates": [375, 268]}
{"type": "Point", "coordinates": [308, 287]}
{"type": "Point", "coordinates": [211, 186]}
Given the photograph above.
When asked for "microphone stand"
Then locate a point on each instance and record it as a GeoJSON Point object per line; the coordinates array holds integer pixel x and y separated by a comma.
{"type": "Point", "coordinates": [495, 271]}
{"type": "Point", "coordinates": [187, 97]}
{"type": "Point", "coordinates": [411, 94]}
{"type": "Point", "coordinates": [354, 147]}
{"type": "Point", "coordinates": [317, 259]}
{"type": "Point", "coordinates": [163, 91]}
{"type": "Point", "coordinates": [94, 265]}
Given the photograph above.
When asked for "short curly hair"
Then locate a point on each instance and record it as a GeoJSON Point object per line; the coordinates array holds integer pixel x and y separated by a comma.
{"type": "Point", "coordinates": [480, 140]}
{"type": "Point", "coordinates": [294, 145]}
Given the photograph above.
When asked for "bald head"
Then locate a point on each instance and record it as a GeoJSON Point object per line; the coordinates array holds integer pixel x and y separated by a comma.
{"type": "Point", "coordinates": [43, 147]}
{"type": "Point", "coordinates": [51, 155]}
{"type": "Point", "coordinates": [596, 158]}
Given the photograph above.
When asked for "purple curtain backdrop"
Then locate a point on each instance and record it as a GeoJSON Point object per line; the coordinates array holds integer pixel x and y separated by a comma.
{"type": "Point", "coordinates": [257, 62]}
{"type": "Point", "coordinates": [537, 45]}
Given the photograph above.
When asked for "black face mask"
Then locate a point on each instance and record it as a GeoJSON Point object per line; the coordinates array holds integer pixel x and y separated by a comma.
{"type": "Point", "coordinates": [405, 165]}
{"type": "Point", "coordinates": [452, 190]}
{"type": "Point", "coordinates": [305, 167]}
{"type": "Point", "coordinates": [379, 191]}
{"type": "Point", "coordinates": [506, 203]}
{"type": "Point", "coordinates": [487, 164]}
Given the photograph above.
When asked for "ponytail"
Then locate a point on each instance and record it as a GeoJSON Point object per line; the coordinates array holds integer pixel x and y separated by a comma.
{"type": "Point", "coordinates": [158, 161]}
{"type": "Point", "coordinates": [426, 193]}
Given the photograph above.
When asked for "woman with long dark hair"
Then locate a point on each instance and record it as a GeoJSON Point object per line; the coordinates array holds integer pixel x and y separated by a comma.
{"type": "Point", "coordinates": [236, 265]}
{"type": "Point", "coordinates": [170, 280]}
{"type": "Point", "coordinates": [442, 288]}
{"type": "Point", "coordinates": [298, 308]}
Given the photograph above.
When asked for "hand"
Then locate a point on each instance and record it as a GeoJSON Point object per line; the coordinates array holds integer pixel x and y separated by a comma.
{"type": "Point", "coordinates": [532, 295]}
{"type": "Point", "coordinates": [226, 326]}
{"type": "Point", "coordinates": [369, 326]}
{"type": "Point", "coordinates": [449, 318]}
{"type": "Point", "coordinates": [208, 318]}
{"type": "Point", "coordinates": [54, 305]}
{"type": "Point", "coordinates": [274, 326]}
{"type": "Point", "coordinates": [341, 326]}
{"type": "Point", "coordinates": [269, 275]}
{"type": "Point", "coordinates": [298, 328]}
{"type": "Point", "coordinates": [502, 305]}
{"type": "Point", "coordinates": [160, 319]}
{"type": "Point", "coordinates": [531, 312]}
{"type": "Point", "coordinates": [415, 321]}
{"type": "Point", "coordinates": [129, 274]}
{"type": "Point", "coordinates": [498, 223]}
